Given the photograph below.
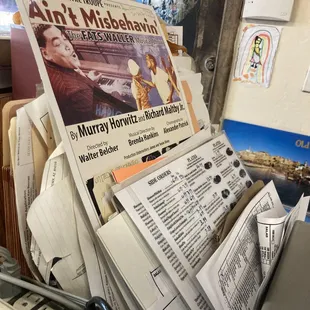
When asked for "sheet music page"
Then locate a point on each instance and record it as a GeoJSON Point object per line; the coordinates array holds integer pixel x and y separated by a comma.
{"type": "Point", "coordinates": [179, 208]}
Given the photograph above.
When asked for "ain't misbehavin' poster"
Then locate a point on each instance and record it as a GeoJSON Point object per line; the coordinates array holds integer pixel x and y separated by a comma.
{"type": "Point", "coordinates": [271, 154]}
{"type": "Point", "coordinates": [112, 87]}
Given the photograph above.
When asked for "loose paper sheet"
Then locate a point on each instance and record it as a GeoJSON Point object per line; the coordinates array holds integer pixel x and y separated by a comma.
{"type": "Point", "coordinates": [99, 280]}
{"type": "Point", "coordinates": [25, 187]}
{"type": "Point", "coordinates": [175, 34]}
{"type": "Point", "coordinates": [195, 90]}
{"type": "Point", "coordinates": [179, 208]}
{"type": "Point", "coordinates": [298, 213]}
{"type": "Point", "coordinates": [55, 170]}
{"type": "Point", "coordinates": [270, 226]}
{"type": "Point", "coordinates": [140, 268]}
{"type": "Point", "coordinates": [232, 277]}
{"type": "Point", "coordinates": [100, 284]}
{"type": "Point", "coordinates": [37, 111]}
{"type": "Point", "coordinates": [306, 86]}
{"type": "Point", "coordinates": [12, 142]}
{"type": "Point", "coordinates": [52, 223]}
{"type": "Point", "coordinates": [256, 54]}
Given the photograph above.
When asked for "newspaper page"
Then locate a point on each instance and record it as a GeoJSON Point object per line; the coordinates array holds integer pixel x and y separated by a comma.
{"type": "Point", "coordinates": [112, 87]}
{"type": "Point", "coordinates": [180, 207]}
{"type": "Point", "coordinates": [233, 275]}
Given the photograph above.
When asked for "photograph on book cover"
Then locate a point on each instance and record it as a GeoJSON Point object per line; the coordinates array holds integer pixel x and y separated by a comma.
{"type": "Point", "coordinates": [112, 87]}
{"type": "Point", "coordinates": [271, 154]}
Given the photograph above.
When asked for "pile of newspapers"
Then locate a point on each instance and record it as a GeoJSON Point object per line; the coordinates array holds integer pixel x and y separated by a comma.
{"type": "Point", "coordinates": [121, 190]}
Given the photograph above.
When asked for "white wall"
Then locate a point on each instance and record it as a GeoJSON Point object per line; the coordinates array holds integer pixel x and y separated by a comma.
{"type": "Point", "coordinates": [283, 105]}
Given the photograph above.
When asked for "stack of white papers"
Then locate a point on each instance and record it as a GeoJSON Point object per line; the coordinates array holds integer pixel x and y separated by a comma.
{"type": "Point", "coordinates": [162, 252]}
{"type": "Point", "coordinates": [115, 99]}
{"type": "Point", "coordinates": [179, 207]}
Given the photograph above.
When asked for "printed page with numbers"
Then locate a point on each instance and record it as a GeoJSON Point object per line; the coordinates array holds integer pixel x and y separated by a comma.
{"type": "Point", "coordinates": [232, 276]}
{"type": "Point", "coordinates": [180, 207]}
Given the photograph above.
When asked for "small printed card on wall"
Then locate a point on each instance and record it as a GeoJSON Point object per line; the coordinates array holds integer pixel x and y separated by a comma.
{"type": "Point", "coordinates": [256, 54]}
{"type": "Point", "coordinates": [175, 34]}
{"type": "Point", "coordinates": [306, 86]}
{"type": "Point", "coordinates": [271, 154]}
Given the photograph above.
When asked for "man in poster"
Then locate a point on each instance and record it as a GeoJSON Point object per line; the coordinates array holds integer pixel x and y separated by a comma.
{"type": "Point", "coordinates": [79, 98]}
{"type": "Point", "coordinates": [161, 80]}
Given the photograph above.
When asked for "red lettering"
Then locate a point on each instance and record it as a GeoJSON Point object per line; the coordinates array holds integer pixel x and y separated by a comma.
{"type": "Point", "coordinates": [113, 21]}
{"type": "Point", "coordinates": [90, 18]}
{"type": "Point", "coordinates": [34, 11]}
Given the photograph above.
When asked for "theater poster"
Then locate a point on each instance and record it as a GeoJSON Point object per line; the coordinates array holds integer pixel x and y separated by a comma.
{"type": "Point", "coordinates": [271, 154]}
{"type": "Point", "coordinates": [112, 88]}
